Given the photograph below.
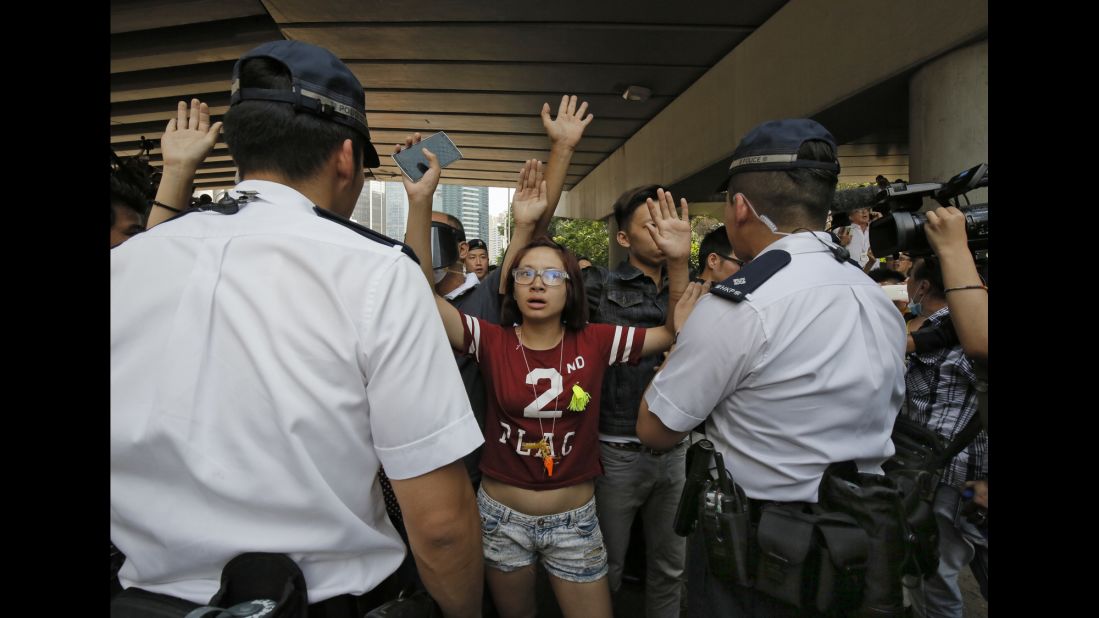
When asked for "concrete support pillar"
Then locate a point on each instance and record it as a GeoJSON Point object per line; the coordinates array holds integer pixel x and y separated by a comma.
{"type": "Point", "coordinates": [948, 117]}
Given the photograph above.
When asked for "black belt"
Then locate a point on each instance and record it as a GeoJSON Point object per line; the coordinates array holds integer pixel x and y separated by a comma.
{"type": "Point", "coordinates": [638, 447]}
{"type": "Point", "coordinates": [351, 606]}
{"type": "Point", "coordinates": [346, 606]}
{"type": "Point", "coordinates": [755, 507]}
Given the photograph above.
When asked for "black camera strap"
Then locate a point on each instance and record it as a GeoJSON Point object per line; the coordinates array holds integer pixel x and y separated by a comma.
{"type": "Point", "coordinates": [961, 440]}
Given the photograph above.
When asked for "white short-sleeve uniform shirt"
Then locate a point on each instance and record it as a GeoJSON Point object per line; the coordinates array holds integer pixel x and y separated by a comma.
{"type": "Point", "coordinates": [807, 371]}
{"type": "Point", "coordinates": [263, 365]}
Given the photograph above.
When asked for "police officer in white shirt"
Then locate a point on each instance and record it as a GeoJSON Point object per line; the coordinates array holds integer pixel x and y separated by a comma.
{"type": "Point", "coordinates": [794, 362]}
{"type": "Point", "coordinates": [281, 361]}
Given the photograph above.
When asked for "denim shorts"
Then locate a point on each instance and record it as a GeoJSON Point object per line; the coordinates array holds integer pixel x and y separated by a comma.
{"type": "Point", "coordinates": [570, 543]}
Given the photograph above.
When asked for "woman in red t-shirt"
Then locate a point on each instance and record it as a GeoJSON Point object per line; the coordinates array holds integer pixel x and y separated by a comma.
{"type": "Point", "coordinates": [543, 377]}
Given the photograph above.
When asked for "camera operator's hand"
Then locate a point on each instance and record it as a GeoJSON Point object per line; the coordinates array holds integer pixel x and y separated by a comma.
{"type": "Point", "coordinates": [945, 230]}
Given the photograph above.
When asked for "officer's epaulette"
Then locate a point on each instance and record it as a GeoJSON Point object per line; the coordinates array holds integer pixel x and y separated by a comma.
{"type": "Point", "coordinates": [751, 276]}
{"type": "Point", "coordinates": [362, 230]}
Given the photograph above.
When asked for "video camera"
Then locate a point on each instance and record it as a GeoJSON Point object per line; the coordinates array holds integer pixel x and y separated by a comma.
{"type": "Point", "coordinates": [902, 227]}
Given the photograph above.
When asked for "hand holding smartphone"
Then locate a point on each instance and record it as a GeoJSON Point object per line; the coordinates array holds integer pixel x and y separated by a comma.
{"type": "Point", "coordinates": [413, 162]}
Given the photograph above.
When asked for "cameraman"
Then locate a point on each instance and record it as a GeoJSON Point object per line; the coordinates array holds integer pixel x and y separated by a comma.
{"type": "Point", "coordinates": [942, 394]}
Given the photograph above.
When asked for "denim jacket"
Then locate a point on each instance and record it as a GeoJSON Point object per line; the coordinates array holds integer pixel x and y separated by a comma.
{"type": "Point", "coordinates": [625, 296]}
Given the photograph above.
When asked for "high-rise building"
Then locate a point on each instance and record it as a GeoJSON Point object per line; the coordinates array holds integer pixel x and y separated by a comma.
{"type": "Point", "coordinates": [469, 204]}
{"type": "Point", "coordinates": [370, 208]}
{"type": "Point", "coordinates": [396, 210]}
{"type": "Point", "coordinates": [497, 241]}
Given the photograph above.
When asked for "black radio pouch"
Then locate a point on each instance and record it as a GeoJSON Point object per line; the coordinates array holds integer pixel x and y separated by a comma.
{"type": "Point", "coordinates": [813, 561]}
{"type": "Point", "coordinates": [728, 541]}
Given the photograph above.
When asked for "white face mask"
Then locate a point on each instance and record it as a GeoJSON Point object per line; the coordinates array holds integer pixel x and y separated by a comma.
{"type": "Point", "coordinates": [440, 274]}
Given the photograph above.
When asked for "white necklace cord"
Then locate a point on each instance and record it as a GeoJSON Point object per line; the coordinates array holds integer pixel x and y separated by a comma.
{"type": "Point", "coordinates": [533, 391]}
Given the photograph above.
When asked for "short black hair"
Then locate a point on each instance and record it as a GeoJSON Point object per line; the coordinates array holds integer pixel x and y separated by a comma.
{"type": "Point", "coordinates": [717, 241]}
{"type": "Point", "coordinates": [886, 274]}
{"type": "Point", "coordinates": [928, 268]}
{"type": "Point", "coordinates": [630, 201]}
{"type": "Point", "coordinates": [124, 194]}
{"type": "Point", "coordinates": [792, 198]}
{"type": "Point", "coordinates": [270, 136]}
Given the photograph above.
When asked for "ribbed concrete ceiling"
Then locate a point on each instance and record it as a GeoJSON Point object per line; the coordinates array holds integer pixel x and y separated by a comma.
{"type": "Point", "coordinates": [477, 69]}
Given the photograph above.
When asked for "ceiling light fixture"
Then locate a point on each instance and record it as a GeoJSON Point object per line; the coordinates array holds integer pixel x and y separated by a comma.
{"type": "Point", "coordinates": [637, 93]}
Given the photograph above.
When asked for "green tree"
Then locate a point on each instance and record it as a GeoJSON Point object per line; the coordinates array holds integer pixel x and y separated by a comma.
{"type": "Point", "coordinates": [583, 237]}
{"type": "Point", "coordinates": [700, 226]}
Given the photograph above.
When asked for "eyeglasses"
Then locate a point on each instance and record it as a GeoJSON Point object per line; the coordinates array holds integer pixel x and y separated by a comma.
{"type": "Point", "coordinates": [738, 261]}
{"type": "Point", "coordinates": [550, 276]}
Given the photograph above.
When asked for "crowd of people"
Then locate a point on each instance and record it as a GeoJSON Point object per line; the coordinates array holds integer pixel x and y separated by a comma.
{"type": "Point", "coordinates": [296, 389]}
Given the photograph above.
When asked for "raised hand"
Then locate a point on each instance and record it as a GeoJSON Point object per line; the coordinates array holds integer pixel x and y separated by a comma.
{"type": "Point", "coordinates": [671, 233]}
{"type": "Point", "coordinates": [844, 234]}
{"type": "Point", "coordinates": [421, 191]}
{"type": "Point", "coordinates": [189, 137]}
{"type": "Point", "coordinates": [529, 201]}
{"type": "Point", "coordinates": [687, 302]}
{"type": "Point", "coordinates": [569, 126]}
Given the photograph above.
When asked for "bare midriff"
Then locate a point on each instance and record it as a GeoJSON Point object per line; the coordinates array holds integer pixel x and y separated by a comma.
{"type": "Point", "coordinates": [532, 502]}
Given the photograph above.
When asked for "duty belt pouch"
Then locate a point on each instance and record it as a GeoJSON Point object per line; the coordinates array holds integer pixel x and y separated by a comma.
{"type": "Point", "coordinates": [788, 555]}
{"type": "Point", "coordinates": [874, 502]}
{"type": "Point", "coordinates": [845, 548]}
{"type": "Point", "coordinates": [727, 542]}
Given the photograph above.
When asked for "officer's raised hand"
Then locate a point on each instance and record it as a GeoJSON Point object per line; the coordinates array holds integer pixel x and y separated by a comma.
{"type": "Point", "coordinates": [670, 232]}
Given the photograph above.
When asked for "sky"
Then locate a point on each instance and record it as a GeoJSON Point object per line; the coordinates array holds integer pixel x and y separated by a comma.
{"type": "Point", "coordinates": [497, 200]}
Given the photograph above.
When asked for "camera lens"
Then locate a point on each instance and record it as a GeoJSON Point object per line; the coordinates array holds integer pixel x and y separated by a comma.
{"type": "Point", "coordinates": [902, 231]}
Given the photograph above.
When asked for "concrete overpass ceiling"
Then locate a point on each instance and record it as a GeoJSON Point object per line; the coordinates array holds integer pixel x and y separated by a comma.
{"type": "Point", "coordinates": [477, 69]}
{"type": "Point", "coordinates": [871, 129]}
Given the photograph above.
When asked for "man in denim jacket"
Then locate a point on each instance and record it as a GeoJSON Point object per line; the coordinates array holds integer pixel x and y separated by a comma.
{"type": "Point", "coordinates": [636, 478]}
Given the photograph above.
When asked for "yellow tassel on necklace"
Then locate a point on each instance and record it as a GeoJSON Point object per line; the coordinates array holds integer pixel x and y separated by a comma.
{"type": "Point", "coordinates": [580, 399]}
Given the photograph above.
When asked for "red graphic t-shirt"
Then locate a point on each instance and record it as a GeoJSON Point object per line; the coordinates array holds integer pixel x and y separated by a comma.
{"type": "Point", "coordinates": [520, 397]}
